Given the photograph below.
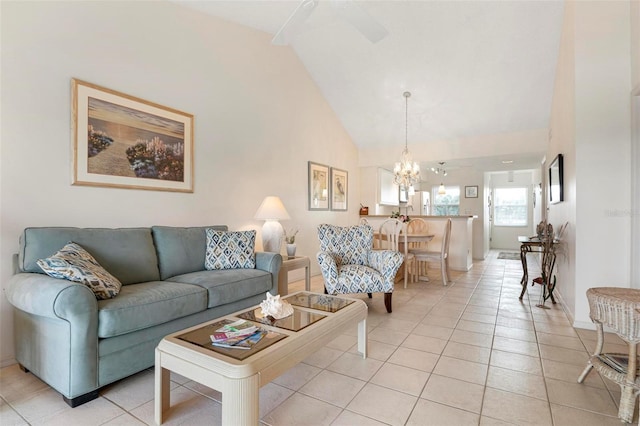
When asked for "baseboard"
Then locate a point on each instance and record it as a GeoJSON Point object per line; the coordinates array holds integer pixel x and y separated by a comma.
{"type": "Point", "coordinates": [7, 362]}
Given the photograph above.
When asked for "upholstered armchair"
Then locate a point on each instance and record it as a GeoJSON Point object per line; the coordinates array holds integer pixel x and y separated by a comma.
{"type": "Point", "coordinates": [350, 265]}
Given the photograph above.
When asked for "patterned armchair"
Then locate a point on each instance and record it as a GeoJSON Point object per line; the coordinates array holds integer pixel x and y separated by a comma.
{"type": "Point", "coordinates": [350, 265]}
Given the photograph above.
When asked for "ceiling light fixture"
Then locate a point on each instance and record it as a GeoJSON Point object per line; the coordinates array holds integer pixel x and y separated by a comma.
{"type": "Point", "coordinates": [439, 170]}
{"type": "Point", "coordinates": [406, 172]}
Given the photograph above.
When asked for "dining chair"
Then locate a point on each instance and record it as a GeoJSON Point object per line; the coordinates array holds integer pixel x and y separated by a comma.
{"type": "Point", "coordinates": [441, 256]}
{"type": "Point", "coordinates": [390, 232]}
{"type": "Point", "coordinates": [417, 226]}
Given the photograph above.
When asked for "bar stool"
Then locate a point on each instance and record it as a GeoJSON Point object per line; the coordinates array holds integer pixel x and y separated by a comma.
{"type": "Point", "coordinates": [618, 309]}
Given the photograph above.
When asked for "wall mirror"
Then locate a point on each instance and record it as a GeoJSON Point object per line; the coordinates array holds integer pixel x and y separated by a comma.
{"type": "Point", "coordinates": [556, 192]}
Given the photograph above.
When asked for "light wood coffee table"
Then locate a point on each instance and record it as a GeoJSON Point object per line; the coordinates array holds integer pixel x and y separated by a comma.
{"type": "Point", "coordinates": [239, 373]}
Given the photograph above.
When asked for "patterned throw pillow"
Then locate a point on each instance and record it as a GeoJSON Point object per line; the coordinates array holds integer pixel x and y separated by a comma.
{"type": "Point", "coordinates": [74, 263]}
{"type": "Point", "coordinates": [230, 250]}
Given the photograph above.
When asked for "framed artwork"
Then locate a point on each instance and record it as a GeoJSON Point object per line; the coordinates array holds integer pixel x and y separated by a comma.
{"type": "Point", "coordinates": [471, 191]}
{"type": "Point", "coordinates": [339, 189]}
{"type": "Point", "coordinates": [556, 178]}
{"type": "Point", "coordinates": [125, 142]}
{"type": "Point", "coordinates": [318, 186]}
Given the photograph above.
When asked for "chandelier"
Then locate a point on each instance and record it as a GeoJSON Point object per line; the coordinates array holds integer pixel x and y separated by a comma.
{"type": "Point", "coordinates": [406, 172]}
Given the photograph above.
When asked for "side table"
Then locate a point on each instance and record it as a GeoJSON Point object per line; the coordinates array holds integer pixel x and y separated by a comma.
{"type": "Point", "coordinates": [290, 264]}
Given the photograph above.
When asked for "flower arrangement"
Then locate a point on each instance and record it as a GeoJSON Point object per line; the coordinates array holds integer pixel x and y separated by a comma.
{"type": "Point", "coordinates": [401, 217]}
{"type": "Point", "coordinates": [290, 237]}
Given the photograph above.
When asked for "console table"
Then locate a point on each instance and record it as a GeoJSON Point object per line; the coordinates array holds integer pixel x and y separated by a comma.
{"type": "Point", "coordinates": [547, 249]}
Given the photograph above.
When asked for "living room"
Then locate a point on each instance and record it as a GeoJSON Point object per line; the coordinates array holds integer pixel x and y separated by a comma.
{"type": "Point", "coordinates": [260, 117]}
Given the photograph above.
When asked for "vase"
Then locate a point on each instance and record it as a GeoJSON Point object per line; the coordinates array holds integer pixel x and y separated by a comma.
{"type": "Point", "coordinates": [291, 250]}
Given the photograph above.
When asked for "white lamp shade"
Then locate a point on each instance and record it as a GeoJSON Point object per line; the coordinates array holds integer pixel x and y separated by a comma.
{"type": "Point", "coordinates": [272, 209]}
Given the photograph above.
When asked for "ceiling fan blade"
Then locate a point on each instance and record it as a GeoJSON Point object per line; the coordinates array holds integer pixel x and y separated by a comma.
{"type": "Point", "coordinates": [294, 23]}
{"type": "Point", "coordinates": [360, 19]}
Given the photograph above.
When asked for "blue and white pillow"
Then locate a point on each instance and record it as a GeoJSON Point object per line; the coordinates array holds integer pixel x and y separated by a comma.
{"type": "Point", "coordinates": [74, 263]}
{"type": "Point", "coordinates": [230, 250]}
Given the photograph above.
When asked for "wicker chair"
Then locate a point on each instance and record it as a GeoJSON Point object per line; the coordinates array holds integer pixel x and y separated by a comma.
{"type": "Point", "coordinates": [350, 265]}
{"type": "Point", "coordinates": [618, 309]}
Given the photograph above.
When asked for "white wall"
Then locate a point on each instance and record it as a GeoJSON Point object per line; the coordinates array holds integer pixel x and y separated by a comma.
{"type": "Point", "coordinates": [258, 119]}
{"type": "Point", "coordinates": [591, 126]}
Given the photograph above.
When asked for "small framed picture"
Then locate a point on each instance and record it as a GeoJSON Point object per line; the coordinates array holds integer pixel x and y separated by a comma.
{"type": "Point", "coordinates": [471, 191]}
{"type": "Point", "coordinates": [318, 186]}
{"type": "Point", "coordinates": [339, 189]}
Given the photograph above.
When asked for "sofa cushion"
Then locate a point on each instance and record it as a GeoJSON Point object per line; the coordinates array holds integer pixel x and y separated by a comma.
{"type": "Point", "coordinates": [228, 285]}
{"type": "Point", "coordinates": [143, 305]}
{"type": "Point", "coordinates": [181, 250]}
{"type": "Point", "coordinates": [127, 253]}
{"type": "Point", "coordinates": [230, 250]}
{"type": "Point", "coordinates": [74, 263]}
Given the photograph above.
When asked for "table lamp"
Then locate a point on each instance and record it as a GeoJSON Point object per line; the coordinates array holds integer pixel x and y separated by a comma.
{"type": "Point", "coordinates": [271, 211]}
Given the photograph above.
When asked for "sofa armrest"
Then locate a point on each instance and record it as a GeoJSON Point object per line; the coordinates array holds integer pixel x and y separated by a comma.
{"type": "Point", "coordinates": [55, 313]}
{"type": "Point", "coordinates": [42, 295]}
{"type": "Point", "coordinates": [270, 262]}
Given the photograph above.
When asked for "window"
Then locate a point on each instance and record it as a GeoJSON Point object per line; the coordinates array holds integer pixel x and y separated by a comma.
{"type": "Point", "coordinates": [447, 204]}
{"type": "Point", "coordinates": [510, 207]}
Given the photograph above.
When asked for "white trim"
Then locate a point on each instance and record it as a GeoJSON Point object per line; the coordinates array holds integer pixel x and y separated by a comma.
{"type": "Point", "coordinates": [635, 187]}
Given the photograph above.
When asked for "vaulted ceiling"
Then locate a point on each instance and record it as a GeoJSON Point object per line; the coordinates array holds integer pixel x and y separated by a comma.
{"type": "Point", "coordinates": [474, 68]}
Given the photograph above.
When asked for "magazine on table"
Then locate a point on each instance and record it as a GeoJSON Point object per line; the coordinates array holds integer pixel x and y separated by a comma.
{"type": "Point", "coordinates": [240, 328]}
{"type": "Point", "coordinates": [245, 342]}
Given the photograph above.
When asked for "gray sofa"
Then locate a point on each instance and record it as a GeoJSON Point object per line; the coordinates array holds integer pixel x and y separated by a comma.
{"type": "Point", "coordinates": [78, 344]}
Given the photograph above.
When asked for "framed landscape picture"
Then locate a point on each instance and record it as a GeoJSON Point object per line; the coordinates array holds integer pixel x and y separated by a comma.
{"type": "Point", "coordinates": [318, 186]}
{"type": "Point", "coordinates": [339, 189]}
{"type": "Point", "coordinates": [126, 142]}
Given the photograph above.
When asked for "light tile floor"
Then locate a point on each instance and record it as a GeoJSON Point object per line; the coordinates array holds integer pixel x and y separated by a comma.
{"type": "Point", "coordinates": [470, 353]}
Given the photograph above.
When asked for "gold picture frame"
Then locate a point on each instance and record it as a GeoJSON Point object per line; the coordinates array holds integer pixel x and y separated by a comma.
{"type": "Point", "coordinates": [121, 141]}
